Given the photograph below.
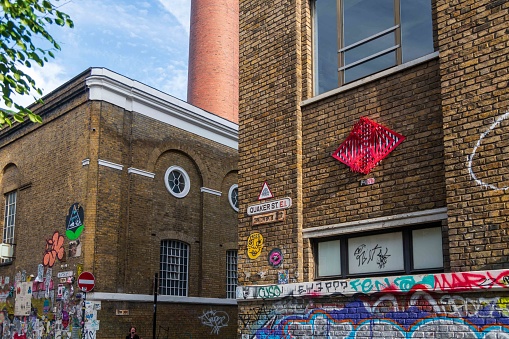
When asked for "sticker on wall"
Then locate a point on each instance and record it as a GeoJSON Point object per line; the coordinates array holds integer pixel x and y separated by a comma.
{"type": "Point", "coordinates": [282, 277]}
{"type": "Point", "coordinates": [265, 193]}
{"type": "Point", "coordinates": [54, 250]}
{"type": "Point", "coordinates": [275, 257]}
{"type": "Point", "coordinates": [74, 248]}
{"type": "Point", "coordinates": [74, 222]}
{"type": "Point", "coordinates": [254, 245]}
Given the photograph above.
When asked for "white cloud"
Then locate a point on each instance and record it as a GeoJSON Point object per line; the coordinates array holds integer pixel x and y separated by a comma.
{"type": "Point", "coordinates": [46, 78]}
{"type": "Point", "coordinates": [181, 9]}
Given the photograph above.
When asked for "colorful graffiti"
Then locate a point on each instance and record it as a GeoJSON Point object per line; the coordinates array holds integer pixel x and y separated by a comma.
{"type": "Point", "coordinates": [74, 221]}
{"type": "Point", "coordinates": [32, 311]}
{"type": "Point", "coordinates": [254, 245]}
{"type": "Point", "coordinates": [442, 282]}
{"type": "Point", "coordinates": [411, 315]}
{"type": "Point", "coordinates": [54, 249]}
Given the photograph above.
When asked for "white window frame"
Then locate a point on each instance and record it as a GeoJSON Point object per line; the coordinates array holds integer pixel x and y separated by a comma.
{"type": "Point", "coordinates": [183, 175]}
{"type": "Point", "coordinates": [231, 274]}
{"type": "Point", "coordinates": [9, 217]}
{"type": "Point", "coordinates": [9, 220]}
{"type": "Point", "coordinates": [174, 268]}
{"type": "Point", "coordinates": [230, 200]}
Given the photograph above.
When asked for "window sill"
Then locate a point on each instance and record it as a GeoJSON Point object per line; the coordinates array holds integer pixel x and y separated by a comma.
{"type": "Point", "coordinates": [370, 78]}
{"type": "Point", "coordinates": [392, 221]}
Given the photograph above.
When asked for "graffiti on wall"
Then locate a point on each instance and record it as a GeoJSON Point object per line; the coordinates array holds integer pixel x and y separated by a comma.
{"type": "Point", "coordinates": [410, 315]}
{"type": "Point", "coordinates": [254, 245]}
{"type": "Point", "coordinates": [54, 249]}
{"type": "Point", "coordinates": [74, 221]}
{"type": "Point", "coordinates": [214, 319]}
{"type": "Point", "coordinates": [441, 282]}
{"type": "Point", "coordinates": [474, 151]}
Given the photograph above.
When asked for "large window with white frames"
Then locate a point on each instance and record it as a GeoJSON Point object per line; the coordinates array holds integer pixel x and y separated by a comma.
{"type": "Point", "coordinates": [177, 181]}
{"type": "Point", "coordinates": [9, 218]}
{"type": "Point", "coordinates": [174, 268]}
{"type": "Point", "coordinates": [357, 38]}
{"type": "Point", "coordinates": [231, 274]}
{"type": "Point", "coordinates": [406, 250]}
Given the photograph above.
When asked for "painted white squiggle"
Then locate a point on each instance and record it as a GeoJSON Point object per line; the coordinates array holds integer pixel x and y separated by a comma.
{"type": "Point", "coordinates": [471, 157]}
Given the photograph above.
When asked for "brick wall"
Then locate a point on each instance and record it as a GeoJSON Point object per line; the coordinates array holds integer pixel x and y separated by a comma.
{"type": "Point", "coordinates": [474, 48]}
{"type": "Point", "coordinates": [174, 321]}
{"type": "Point", "coordinates": [126, 214]}
{"type": "Point", "coordinates": [270, 129]}
{"type": "Point", "coordinates": [415, 314]}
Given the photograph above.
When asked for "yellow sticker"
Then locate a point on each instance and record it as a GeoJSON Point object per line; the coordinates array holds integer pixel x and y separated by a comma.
{"type": "Point", "coordinates": [254, 245]}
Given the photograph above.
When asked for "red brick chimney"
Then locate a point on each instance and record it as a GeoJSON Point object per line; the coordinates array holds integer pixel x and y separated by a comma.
{"type": "Point", "coordinates": [213, 78]}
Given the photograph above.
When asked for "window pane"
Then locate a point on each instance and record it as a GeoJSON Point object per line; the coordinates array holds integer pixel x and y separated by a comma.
{"type": "Point", "coordinates": [370, 67]}
{"type": "Point", "coordinates": [416, 29]}
{"type": "Point", "coordinates": [326, 45]}
{"type": "Point", "coordinates": [427, 248]}
{"type": "Point", "coordinates": [173, 268]}
{"type": "Point", "coordinates": [364, 18]}
{"type": "Point", "coordinates": [369, 48]}
{"type": "Point", "coordinates": [376, 253]}
{"type": "Point", "coordinates": [231, 274]}
{"type": "Point", "coordinates": [329, 258]}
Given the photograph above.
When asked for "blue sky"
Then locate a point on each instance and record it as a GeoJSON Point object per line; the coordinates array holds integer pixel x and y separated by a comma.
{"type": "Point", "coordinates": [145, 40]}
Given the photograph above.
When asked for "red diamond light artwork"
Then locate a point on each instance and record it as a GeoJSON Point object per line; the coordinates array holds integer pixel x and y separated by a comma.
{"type": "Point", "coordinates": [367, 144]}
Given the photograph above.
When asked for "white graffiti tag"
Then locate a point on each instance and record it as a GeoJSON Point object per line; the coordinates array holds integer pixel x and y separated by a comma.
{"type": "Point", "coordinates": [477, 145]}
{"type": "Point", "coordinates": [215, 319]}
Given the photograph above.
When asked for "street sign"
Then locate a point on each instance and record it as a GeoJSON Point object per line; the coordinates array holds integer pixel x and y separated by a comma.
{"type": "Point", "coordinates": [86, 281]}
{"type": "Point", "coordinates": [269, 206]}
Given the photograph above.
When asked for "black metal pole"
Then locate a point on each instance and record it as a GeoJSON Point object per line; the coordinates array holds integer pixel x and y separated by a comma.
{"type": "Point", "coordinates": [83, 314]}
{"type": "Point", "coordinates": [156, 287]}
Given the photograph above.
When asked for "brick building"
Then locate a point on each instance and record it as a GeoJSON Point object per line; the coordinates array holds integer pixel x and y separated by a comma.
{"type": "Point", "coordinates": [373, 169]}
{"type": "Point", "coordinates": [125, 182]}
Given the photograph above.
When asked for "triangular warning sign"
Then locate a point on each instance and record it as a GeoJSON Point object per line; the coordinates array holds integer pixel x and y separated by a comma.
{"type": "Point", "coordinates": [265, 192]}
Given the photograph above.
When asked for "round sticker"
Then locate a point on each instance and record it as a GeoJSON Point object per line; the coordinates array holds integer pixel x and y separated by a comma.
{"type": "Point", "coordinates": [275, 257]}
{"type": "Point", "coordinates": [254, 245]}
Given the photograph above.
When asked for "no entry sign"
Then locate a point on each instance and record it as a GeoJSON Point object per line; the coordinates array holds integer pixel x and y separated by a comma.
{"type": "Point", "coordinates": [86, 281]}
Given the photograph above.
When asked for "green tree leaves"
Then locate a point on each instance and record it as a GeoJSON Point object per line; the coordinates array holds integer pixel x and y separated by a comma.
{"type": "Point", "coordinates": [22, 24]}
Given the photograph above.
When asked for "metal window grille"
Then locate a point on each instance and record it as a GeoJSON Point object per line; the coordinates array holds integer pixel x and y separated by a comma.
{"type": "Point", "coordinates": [231, 274]}
{"type": "Point", "coordinates": [174, 268]}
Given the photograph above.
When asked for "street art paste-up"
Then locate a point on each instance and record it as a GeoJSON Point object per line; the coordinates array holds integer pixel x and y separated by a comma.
{"type": "Point", "coordinates": [254, 245]}
{"type": "Point", "coordinates": [282, 277]}
{"type": "Point", "coordinates": [74, 222]}
{"type": "Point", "coordinates": [275, 257]}
{"type": "Point", "coordinates": [54, 250]}
{"type": "Point", "coordinates": [74, 248]}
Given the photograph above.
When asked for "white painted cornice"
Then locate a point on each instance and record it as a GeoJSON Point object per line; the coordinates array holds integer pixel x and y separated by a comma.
{"type": "Point", "coordinates": [132, 95]}
{"type": "Point", "coordinates": [210, 191]}
{"type": "Point", "coordinates": [104, 296]}
{"type": "Point", "coordinates": [110, 164]}
{"type": "Point", "coordinates": [140, 172]}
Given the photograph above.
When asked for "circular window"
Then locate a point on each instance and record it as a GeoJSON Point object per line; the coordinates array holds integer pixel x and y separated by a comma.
{"type": "Point", "coordinates": [177, 181]}
{"type": "Point", "coordinates": [233, 197]}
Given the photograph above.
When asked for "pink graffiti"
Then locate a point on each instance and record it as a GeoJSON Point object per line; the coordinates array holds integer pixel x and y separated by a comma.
{"type": "Point", "coordinates": [464, 281]}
